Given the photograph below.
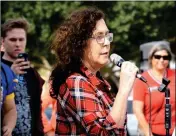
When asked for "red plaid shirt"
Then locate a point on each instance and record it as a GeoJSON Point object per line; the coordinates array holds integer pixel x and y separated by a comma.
{"type": "Point", "coordinates": [84, 104]}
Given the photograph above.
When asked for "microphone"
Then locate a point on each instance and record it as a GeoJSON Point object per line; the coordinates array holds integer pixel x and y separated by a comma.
{"type": "Point", "coordinates": [117, 60]}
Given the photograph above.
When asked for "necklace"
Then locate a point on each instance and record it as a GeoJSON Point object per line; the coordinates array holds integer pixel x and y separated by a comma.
{"type": "Point", "coordinates": [157, 77]}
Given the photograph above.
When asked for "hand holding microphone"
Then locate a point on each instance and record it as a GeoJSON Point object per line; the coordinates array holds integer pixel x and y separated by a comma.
{"type": "Point", "coordinates": [117, 60]}
{"type": "Point", "coordinates": [127, 75]}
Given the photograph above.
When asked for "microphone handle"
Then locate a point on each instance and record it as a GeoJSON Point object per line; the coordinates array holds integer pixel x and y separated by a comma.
{"type": "Point", "coordinates": [141, 77]}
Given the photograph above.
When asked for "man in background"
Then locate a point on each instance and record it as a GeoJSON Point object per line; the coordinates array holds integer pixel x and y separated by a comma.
{"type": "Point", "coordinates": [29, 87]}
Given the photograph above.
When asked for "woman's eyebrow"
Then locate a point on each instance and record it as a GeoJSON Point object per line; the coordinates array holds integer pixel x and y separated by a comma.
{"type": "Point", "coordinates": [101, 33]}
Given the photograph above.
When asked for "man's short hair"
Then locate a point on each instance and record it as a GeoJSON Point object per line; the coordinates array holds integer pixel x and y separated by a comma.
{"type": "Point", "coordinates": [14, 23]}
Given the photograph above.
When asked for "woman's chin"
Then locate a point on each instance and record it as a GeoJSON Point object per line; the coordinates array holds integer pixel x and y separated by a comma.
{"type": "Point", "coordinates": [104, 62]}
{"type": "Point", "coordinates": [161, 68]}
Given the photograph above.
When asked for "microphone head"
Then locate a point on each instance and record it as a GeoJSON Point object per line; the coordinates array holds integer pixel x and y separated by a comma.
{"type": "Point", "coordinates": [116, 58]}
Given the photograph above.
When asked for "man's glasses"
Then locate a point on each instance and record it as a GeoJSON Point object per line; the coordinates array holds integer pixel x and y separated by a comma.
{"type": "Point", "coordinates": [166, 57]}
{"type": "Point", "coordinates": [101, 38]}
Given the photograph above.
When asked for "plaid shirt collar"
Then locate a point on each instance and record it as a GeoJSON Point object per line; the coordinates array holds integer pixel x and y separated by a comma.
{"type": "Point", "coordinates": [97, 80]}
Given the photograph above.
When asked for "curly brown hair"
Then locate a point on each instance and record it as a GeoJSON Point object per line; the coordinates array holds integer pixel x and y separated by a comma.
{"type": "Point", "coordinates": [69, 42]}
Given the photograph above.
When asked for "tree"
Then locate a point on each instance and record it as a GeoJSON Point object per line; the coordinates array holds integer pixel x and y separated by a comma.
{"type": "Point", "coordinates": [132, 23]}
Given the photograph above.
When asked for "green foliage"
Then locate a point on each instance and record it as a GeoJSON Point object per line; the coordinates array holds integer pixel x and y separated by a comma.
{"type": "Point", "coordinates": [135, 23]}
{"type": "Point", "coordinates": [132, 23]}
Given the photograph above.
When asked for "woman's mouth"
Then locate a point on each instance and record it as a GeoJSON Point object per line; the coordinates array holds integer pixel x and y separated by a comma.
{"type": "Point", "coordinates": [105, 53]}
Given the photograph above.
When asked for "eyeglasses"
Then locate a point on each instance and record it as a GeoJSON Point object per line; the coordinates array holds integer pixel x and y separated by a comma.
{"type": "Point", "coordinates": [166, 57]}
{"type": "Point", "coordinates": [101, 38]}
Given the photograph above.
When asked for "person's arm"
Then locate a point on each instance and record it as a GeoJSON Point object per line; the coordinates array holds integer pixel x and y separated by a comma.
{"type": "Point", "coordinates": [127, 77]}
{"type": "Point", "coordinates": [47, 120]}
{"type": "Point", "coordinates": [138, 107]}
{"type": "Point", "coordinates": [10, 115]}
{"type": "Point", "coordinates": [119, 109]}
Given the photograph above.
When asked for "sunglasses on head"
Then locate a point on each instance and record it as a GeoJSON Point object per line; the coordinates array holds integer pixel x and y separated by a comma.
{"type": "Point", "coordinates": [166, 57]}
